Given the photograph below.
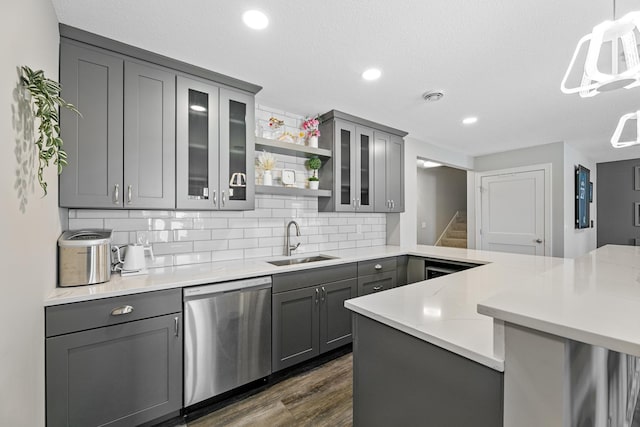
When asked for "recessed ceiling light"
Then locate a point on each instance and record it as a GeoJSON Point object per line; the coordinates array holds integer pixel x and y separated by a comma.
{"type": "Point", "coordinates": [372, 74]}
{"type": "Point", "coordinates": [198, 108]}
{"type": "Point", "coordinates": [469, 120]}
{"type": "Point", "coordinates": [430, 164]}
{"type": "Point", "coordinates": [255, 19]}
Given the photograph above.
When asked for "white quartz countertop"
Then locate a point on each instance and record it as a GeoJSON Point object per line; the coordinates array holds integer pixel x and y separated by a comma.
{"type": "Point", "coordinates": [209, 273]}
{"type": "Point", "coordinates": [443, 311]}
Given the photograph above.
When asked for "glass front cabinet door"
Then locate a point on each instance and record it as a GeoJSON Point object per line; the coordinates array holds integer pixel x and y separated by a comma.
{"type": "Point", "coordinates": [215, 147]}
{"type": "Point", "coordinates": [237, 147]}
{"type": "Point", "coordinates": [364, 169]}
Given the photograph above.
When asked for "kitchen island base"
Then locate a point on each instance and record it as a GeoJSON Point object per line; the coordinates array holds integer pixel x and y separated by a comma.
{"type": "Point", "coordinates": [401, 380]}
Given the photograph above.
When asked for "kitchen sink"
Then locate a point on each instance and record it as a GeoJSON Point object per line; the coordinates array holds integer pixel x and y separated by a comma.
{"type": "Point", "coordinates": [293, 261]}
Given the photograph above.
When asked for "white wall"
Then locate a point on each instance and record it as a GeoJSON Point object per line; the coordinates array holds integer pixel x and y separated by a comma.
{"type": "Point", "coordinates": [30, 224]}
{"type": "Point", "coordinates": [402, 228]}
{"type": "Point", "coordinates": [577, 242]}
{"type": "Point", "coordinates": [442, 191]}
{"type": "Point", "coordinates": [549, 153]}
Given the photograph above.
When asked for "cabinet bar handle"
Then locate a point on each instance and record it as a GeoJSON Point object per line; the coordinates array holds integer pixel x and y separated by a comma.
{"type": "Point", "coordinates": [389, 204]}
{"type": "Point", "coordinates": [177, 325]}
{"type": "Point", "coordinates": [324, 294]}
{"type": "Point", "coordinates": [354, 203]}
{"type": "Point", "coordinates": [215, 198]}
{"type": "Point", "coordinates": [119, 311]}
{"type": "Point", "coordinates": [116, 194]}
{"type": "Point", "coordinates": [377, 288]}
{"type": "Point", "coordinates": [317, 293]}
{"type": "Point", "coordinates": [129, 194]}
{"type": "Point", "coordinates": [378, 267]}
{"type": "Point", "coordinates": [224, 198]}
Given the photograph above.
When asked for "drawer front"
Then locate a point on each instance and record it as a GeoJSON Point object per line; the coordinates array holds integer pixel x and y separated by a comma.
{"type": "Point", "coordinates": [301, 279]}
{"type": "Point", "coordinates": [80, 316]}
{"type": "Point", "coordinates": [376, 266]}
{"type": "Point", "coordinates": [376, 283]}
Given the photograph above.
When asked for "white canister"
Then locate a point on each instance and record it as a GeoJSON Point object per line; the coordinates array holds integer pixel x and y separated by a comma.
{"type": "Point", "coordinates": [267, 179]}
{"type": "Point", "coordinates": [313, 141]}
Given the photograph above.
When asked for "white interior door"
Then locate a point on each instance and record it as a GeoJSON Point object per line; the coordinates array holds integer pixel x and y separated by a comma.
{"type": "Point", "coordinates": [515, 212]}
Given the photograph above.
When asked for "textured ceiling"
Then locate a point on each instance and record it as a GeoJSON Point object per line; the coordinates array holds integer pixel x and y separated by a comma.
{"type": "Point", "coordinates": [499, 60]}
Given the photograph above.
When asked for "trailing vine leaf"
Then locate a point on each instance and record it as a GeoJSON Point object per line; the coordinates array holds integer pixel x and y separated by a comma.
{"type": "Point", "coordinates": [45, 98]}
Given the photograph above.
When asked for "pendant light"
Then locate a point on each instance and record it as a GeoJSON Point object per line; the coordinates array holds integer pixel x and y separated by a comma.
{"type": "Point", "coordinates": [624, 68]}
{"type": "Point", "coordinates": [615, 139]}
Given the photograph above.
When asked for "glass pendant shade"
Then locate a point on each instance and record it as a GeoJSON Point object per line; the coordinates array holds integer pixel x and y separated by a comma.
{"type": "Point", "coordinates": [615, 139]}
{"type": "Point", "coordinates": [602, 72]}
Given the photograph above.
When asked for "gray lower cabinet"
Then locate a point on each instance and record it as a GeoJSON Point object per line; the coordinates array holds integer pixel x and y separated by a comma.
{"type": "Point", "coordinates": [310, 320]}
{"type": "Point", "coordinates": [389, 172]}
{"type": "Point", "coordinates": [121, 374]}
{"type": "Point", "coordinates": [377, 275]}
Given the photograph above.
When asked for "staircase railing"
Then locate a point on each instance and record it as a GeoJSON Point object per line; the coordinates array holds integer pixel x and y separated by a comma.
{"type": "Point", "coordinates": [453, 221]}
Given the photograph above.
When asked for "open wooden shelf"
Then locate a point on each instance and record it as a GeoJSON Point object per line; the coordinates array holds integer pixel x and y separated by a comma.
{"type": "Point", "coordinates": [290, 149]}
{"type": "Point", "coordinates": [291, 191]}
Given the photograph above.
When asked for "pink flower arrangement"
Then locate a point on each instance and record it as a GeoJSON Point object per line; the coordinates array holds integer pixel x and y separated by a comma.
{"type": "Point", "coordinates": [310, 125]}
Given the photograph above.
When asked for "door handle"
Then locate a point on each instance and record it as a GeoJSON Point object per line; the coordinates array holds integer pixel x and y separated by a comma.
{"type": "Point", "coordinates": [354, 203]}
{"type": "Point", "coordinates": [215, 198]}
{"type": "Point", "coordinates": [119, 311]}
{"type": "Point", "coordinates": [538, 240]}
{"type": "Point", "coordinates": [324, 294]}
{"type": "Point", "coordinates": [177, 325]}
{"type": "Point", "coordinates": [116, 194]}
{"type": "Point", "coordinates": [224, 198]}
{"type": "Point", "coordinates": [317, 293]}
{"type": "Point", "coordinates": [377, 288]}
{"type": "Point", "coordinates": [129, 194]}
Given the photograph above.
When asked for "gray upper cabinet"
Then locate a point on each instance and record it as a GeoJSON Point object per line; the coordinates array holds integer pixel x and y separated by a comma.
{"type": "Point", "coordinates": [214, 146]}
{"type": "Point", "coordinates": [149, 137]}
{"type": "Point", "coordinates": [360, 177]}
{"type": "Point", "coordinates": [122, 149]}
{"type": "Point", "coordinates": [93, 81]}
{"type": "Point", "coordinates": [197, 145]}
{"type": "Point", "coordinates": [389, 172]}
{"type": "Point", "coordinates": [132, 149]}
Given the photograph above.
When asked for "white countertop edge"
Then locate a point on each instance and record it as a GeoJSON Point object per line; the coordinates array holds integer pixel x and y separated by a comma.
{"type": "Point", "coordinates": [486, 360]}
{"type": "Point", "coordinates": [588, 337]}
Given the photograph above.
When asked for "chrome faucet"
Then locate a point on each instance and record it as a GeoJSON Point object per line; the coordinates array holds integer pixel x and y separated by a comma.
{"type": "Point", "coordinates": [288, 246]}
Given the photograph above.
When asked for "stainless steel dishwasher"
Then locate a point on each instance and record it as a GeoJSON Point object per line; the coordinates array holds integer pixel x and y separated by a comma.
{"type": "Point", "coordinates": [227, 340]}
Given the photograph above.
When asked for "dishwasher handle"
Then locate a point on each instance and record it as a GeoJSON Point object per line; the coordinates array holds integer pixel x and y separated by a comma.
{"type": "Point", "coordinates": [207, 291]}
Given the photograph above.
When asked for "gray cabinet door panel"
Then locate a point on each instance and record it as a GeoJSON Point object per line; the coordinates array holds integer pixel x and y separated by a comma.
{"type": "Point", "coordinates": [363, 167]}
{"type": "Point", "coordinates": [237, 148]}
{"type": "Point", "coordinates": [335, 319]}
{"type": "Point", "coordinates": [381, 200]}
{"type": "Point", "coordinates": [149, 137]}
{"type": "Point", "coordinates": [197, 139]}
{"type": "Point", "coordinates": [344, 153]}
{"type": "Point", "coordinates": [119, 375]}
{"type": "Point", "coordinates": [395, 173]}
{"type": "Point", "coordinates": [295, 327]}
{"type": "Point", "coordinates": [93, 81]}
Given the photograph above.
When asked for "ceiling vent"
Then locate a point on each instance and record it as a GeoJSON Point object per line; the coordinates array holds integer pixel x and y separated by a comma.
{"type": "Point", "coordinates": [433, 95]}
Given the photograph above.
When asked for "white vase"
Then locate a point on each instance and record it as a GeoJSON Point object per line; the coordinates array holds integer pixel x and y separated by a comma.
{"type": "Point", "coordinates": [313, 185]}
{"type": "Point", "coordinates": [313, 141]}
{"type": "Point", "coordinates": [267, 179]}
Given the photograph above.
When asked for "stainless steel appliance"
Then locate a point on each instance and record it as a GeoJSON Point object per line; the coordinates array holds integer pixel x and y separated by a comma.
{"type": "Point", "coordinates": [84, 257]}
{"type": "Point", "coordinates": [227, 341]}
{"type": "Point", "coordinates": [419, 269]}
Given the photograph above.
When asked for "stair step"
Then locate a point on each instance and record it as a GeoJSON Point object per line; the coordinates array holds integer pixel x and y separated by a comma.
{"type": "Point", "coordinates": [459, 226]}
{"type": "Point", "coordinates": [454, 243]}
{"type": "Point", "coordinates": [456, 234]}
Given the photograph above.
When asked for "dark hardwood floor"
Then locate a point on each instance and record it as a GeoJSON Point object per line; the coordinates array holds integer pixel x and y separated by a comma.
{"type": "Point", "coordinates": [319, 397]}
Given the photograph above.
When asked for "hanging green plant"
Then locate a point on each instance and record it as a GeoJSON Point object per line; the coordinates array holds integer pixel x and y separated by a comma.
{"type": "Point", "coordinates": [46, 100]}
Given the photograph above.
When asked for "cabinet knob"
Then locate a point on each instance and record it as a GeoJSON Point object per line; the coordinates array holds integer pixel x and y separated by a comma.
{"type": "Point", "coordinates": [538, 240]}
{"type": "Point", "coordinates": [119, 311]}
{"type": "Point", "coordinates": [378, 267]}
{"type": "Point", "coordinates": [377, 288]}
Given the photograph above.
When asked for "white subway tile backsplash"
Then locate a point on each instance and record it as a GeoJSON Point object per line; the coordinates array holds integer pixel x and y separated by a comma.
{"type": "Point", "coordinates": [347, 245]}
{"type": "Point", "coordinates": [347, 229]}
{"type": "Point", "coordinates": [172, 248]}
{"type": "Point", "coordinates": [244, 223]}
{"type": "Point", "coordinates": [120, 238]}
{"type": "Point", "coordinates": [270, 242]}
{"type": "Point", "coordinates": [257, 232]}
{"type": "Point", "coordinates": [227, 234]}
{"type": "Point", "coordinates": [338, 221]}
{"type": "Point", "coordinates": [270, 203]}
{"type": "Point", "coordinates": [208, 223]}
{"type": "Point", "coordinates": [181, 235]}
{"type": "Point", "coordinates": [145, 237]}
{"type": "Point", "coordinates": [227, 255]}
{"type": "Point", "coordinates": [127, 224]}
{"type": "Point", "coordinates": [211, 245]}
{"type": "Point", "coordinates": [193, 214]}
{"type": "Point", "coordinates": [107, 213]}
{"type": "Point", "coordinates": [243, 243]}
{"type": "Point", "coordinates": [258, 253]}
{"type": "Point", "coordinates": [192, 258]}
{"type": "Point", "coordinates": [150, 214]}
{"type": "Point", "coordinates": [77, 224]}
